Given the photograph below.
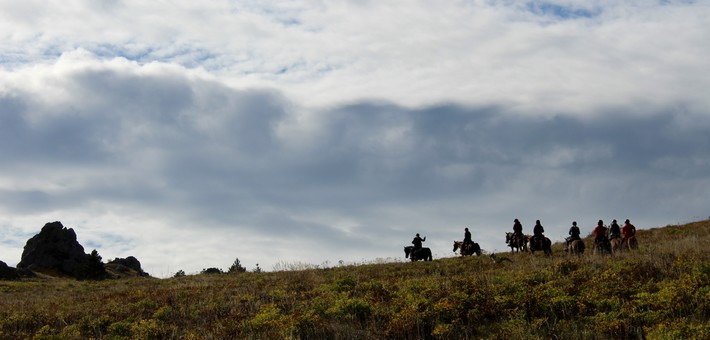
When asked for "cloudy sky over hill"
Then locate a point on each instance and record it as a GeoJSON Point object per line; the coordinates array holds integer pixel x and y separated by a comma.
{"type": "Point", "coordinates": [188, 133]}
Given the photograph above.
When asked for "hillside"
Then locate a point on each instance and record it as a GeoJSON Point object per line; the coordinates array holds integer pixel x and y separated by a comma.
{"type": "Point", "coordinates": [661, 290]}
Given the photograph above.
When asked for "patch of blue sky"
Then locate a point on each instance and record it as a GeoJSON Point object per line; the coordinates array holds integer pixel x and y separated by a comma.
{"type": "Point", "coordinates": [284, 14]}
{"type": "Point", "coordinates": [187, 56]}
{"type": "Point", "coordinates": [673, 2]}
{"type": "Point", "coordinates": [561, 11]}
{"type": "Point", "coordinates": [109, 51]}
{"type": "Point", "coordinates": [11, 59]}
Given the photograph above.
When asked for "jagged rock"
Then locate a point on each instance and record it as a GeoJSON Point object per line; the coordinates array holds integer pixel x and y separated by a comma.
{"type": "Point", "coordinates": [8, 273]}
{"type": "Point", "coordinates": [55, 250]}
{"type": "Point", "coordinates": [129, 265]}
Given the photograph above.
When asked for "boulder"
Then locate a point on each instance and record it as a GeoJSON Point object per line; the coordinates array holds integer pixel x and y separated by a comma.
{"type": "Point", "coordinates": [129, 265]}
{"type": "Point", "coordinates": [55, 250]}
{"type": "Point", "coordinates": [8, 273]}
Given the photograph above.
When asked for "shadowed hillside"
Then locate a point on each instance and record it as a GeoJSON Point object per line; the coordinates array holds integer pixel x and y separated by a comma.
{"type": "Point", "coordinates": [661, 290]}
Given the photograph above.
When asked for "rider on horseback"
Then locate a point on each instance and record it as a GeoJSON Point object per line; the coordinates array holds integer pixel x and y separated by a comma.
{"type": "Point", "coordinates": [600, 234]}
{"type": "Point", "coordinates": [538, 231]}
{"type": "Point", "coordinates": [573, 234]}
{"type": "Point", "coordinates": [628, 230]}
{"type": "Point", "coordinates": [467, 238]}
{"type": "Point", "coordinates": [517, 230]}
{"type": "Point", "coordinates": [614, 230]}
{"type": "Point", "coordinates": [417, 242]}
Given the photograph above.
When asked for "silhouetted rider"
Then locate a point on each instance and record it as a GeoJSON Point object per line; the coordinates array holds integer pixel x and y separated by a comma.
{"type": "Point", "coordinates": [538, 231]}
{"type": "Point", "coordinates": [417, 242]}
{"type": "Point", "coordinates": [467, 237]}
{"type": "Point", "coordinates": [573, 233]}
{"type": "Point", "coordinates": [517, 230]}
{"type": "Point", "coordinates": [614, 230]}
{"type": "Point", "coordinates": [517, 227]}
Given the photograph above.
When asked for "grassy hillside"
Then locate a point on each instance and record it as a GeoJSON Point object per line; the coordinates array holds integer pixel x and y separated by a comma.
{"type": "Point", "coordinates": [661, 290]}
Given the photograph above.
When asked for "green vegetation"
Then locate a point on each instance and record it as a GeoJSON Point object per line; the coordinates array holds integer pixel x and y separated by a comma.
{"type": "Point", "coordinates": [662, 290]}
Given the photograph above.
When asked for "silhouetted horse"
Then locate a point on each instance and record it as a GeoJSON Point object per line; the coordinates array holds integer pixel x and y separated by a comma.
{"type": "Point", "coordinates": [629, 243]}
{"type": "Point", "coordinates": [615, 244]}
{"type": "Point", "coordinates": [543, 244]}
{"type": "Point", "coordinates": [576, 247]}
{"type": "Point", "coordinates": [516, 243]}
{"type": "Point", "coordinates": [469, 249]}
{"type": "Point", "coordinates": [602, 247]}
{"type": "Point", "coordinates": [421, 254]}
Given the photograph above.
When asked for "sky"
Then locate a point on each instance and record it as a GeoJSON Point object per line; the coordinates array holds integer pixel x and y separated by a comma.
{"type": "Point", "coordinates": [308, 132]}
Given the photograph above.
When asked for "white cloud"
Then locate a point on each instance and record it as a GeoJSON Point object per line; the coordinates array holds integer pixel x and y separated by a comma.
{"type": "Point", "coordinates": [189, 134]}
{"type": "Point", "coordinates": [411, 52]}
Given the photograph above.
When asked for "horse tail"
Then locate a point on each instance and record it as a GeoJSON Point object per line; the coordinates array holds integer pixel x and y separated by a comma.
{"type": "Point", "coordinates": [429, 258]}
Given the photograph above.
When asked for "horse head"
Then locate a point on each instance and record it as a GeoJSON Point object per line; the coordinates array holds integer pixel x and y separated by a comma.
{"type": "Point", "coordinates": [407, 250]}
{"type": "Point", "coordinates": [508, 236]}
{"type": "Point", "coordinates": [457, 244]}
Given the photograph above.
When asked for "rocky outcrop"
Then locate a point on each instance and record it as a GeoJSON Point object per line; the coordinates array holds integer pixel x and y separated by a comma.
{"type": "Point", "coordinates": [55, 250]}
{"type": "Point", "coordinates": [8, 273]}
{"type": "Point", "coordinates": [130, 266]}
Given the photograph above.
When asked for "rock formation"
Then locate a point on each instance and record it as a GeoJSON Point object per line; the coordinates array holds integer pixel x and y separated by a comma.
{"type": "Point", "coordinates": [130, 266]}
{"type": "Point", "coordinates": [8, 273]}
{"type": "Point", "coordinates": [55, 250]}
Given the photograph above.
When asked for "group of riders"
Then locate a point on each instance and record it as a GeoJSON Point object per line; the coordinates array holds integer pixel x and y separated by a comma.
{"type": "Point", "coordinates": [466, 246]}
{"type": "Point", "coordinates": [602, 234]}
{"type": "Point", "coordinates": [538, 240]}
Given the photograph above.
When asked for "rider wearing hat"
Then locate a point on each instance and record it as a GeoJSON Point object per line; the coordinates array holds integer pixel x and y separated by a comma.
{"type": "Point", "coordinates": [614, 230]}
{"type": "Point", "coordinates": [628, 230]}
{"type": "Point", "coordinates": [517, 230]}
{"type": "Point", "coordinates": [417, 242]}
{"type": "Point", "coordinates": [600, 233]}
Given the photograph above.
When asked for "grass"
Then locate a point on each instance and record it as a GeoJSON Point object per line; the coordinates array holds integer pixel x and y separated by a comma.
{"type": "Point", "coordinates": [662, 290]}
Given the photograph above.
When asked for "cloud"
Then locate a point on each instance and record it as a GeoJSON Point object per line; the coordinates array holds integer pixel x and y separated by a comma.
{"type": "Point", "coordinates": [543, 58]}
{"type": "Point", "coordinates": [189, 134]}
{"type": "Point", "coordinates": [165, 158]}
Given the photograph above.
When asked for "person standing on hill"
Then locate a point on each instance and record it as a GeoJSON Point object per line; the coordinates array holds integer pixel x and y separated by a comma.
{"type": "Point", "coordinates": [628, 230]}
{"type": "Point", "coordinates": [614, 230]}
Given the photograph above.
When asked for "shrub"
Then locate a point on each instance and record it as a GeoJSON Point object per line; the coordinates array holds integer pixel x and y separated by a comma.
{"type": "Point", "coordinates": [212, 271]}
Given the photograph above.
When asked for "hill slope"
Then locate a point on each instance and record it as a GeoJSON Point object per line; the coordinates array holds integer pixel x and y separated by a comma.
{"type": "Point", "coordinates": [660, 290]}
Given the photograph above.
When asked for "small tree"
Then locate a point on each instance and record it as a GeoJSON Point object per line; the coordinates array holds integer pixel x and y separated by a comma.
{"type": "Point", "coordinates": [180, 273]}
{"type": "Point", "coordinates": [94, 269]}
{"type": "Point", "coordinates": [257, 269]}
{"type": "Point", "coordinates": [236, 267]}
